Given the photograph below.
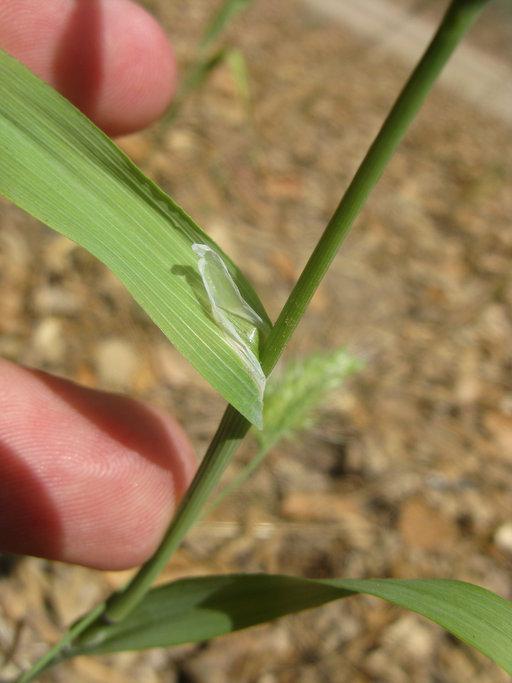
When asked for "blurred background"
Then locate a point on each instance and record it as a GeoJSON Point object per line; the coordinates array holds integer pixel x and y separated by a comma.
{"type": "Point", "coordinates": [408, 471]}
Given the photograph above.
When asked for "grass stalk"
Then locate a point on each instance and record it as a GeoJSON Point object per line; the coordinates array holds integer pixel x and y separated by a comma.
{"type": "Point", "coordinates": [232, 429]}
{"type": "Point", "coordinates": [458, 19]}
{"type": "Point", "coordinates": [54, 654]}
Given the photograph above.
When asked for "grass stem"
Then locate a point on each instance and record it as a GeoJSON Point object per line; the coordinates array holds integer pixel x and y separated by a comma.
{"type": "Point", "coordinates": [455, 23]}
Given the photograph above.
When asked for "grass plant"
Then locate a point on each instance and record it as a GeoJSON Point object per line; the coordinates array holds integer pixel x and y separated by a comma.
{"type": "Point", "coordinates": [57, 166]}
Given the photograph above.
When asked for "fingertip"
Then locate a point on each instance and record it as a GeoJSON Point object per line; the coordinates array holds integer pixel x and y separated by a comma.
{"type": "Point", "coordinates": [138, 68]}
{"type": "Point", "coordinates": [111, 58]}
{"type": "Point", "coordinates": [87, 477]}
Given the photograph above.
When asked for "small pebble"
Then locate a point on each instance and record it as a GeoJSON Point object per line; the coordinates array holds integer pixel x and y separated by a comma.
{"type": "Point", "coordinates": [503, 537]}
{"type": "Point", "coordinates": [54, 300]}
{"type": "Point", "coordinates": [116, 362]}
{"type": "Point", "coordinates": [409, 638]}
{"type": "Point", "coordinates": [48, 345]}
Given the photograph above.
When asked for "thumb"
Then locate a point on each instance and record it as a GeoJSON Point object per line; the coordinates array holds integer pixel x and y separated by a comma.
{"type": "Point", "coordinates": [85, 476]}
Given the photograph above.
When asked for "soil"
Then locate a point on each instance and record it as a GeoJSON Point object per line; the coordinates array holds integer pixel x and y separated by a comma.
{"type": "Point", "coordinates": [408, 472]}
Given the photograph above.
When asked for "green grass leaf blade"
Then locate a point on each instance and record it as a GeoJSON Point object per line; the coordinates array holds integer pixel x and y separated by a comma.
{"type": "Point", "coordinates": [473, 614]}
{"type": "Point", "coordinates": [56, 165]}
{"type": "Point", "coordinates": [240, 74]}
{"type": "Point", "coordinates": [196, 609]}
{"type": "Point", "coordinates": [208, 59]}
{"type": "Point", "coordinates": [220, 20]}
{"type": "Point", "coordinates": [194, 78]}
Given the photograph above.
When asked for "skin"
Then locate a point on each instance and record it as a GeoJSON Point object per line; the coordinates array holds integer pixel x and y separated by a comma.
{"type": "Point", "coordinates": [85, 476]}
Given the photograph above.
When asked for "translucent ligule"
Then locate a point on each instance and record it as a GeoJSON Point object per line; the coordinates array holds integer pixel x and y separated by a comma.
{"type": "Point", "coordinates": [241, 324]}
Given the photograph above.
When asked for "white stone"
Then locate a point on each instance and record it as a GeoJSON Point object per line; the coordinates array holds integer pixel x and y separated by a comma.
{"type": "Point", "coordinates": [116, 363]}
{"type": "Point", "coordinates": [55, 300]}
{"type": "Point", "coordinates": [48, 344]}
{"type": "Point", "coordinates": [503, 537]}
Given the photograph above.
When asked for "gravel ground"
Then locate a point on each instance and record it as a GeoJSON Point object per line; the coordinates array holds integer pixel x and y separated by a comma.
{"type": "Point", "coordinates": [409, 472]}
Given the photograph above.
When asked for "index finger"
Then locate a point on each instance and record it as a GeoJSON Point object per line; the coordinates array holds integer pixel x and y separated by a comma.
{"type": "Point", "coordinates": [109, 57]}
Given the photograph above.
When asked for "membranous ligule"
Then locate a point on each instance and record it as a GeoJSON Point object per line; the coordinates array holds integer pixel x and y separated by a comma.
{"type": "Point", "coordinates": [242, 326]}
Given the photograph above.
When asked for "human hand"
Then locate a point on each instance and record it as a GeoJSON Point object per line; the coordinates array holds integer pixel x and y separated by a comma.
{"type": "Point", "coordinates": [88, 477]}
